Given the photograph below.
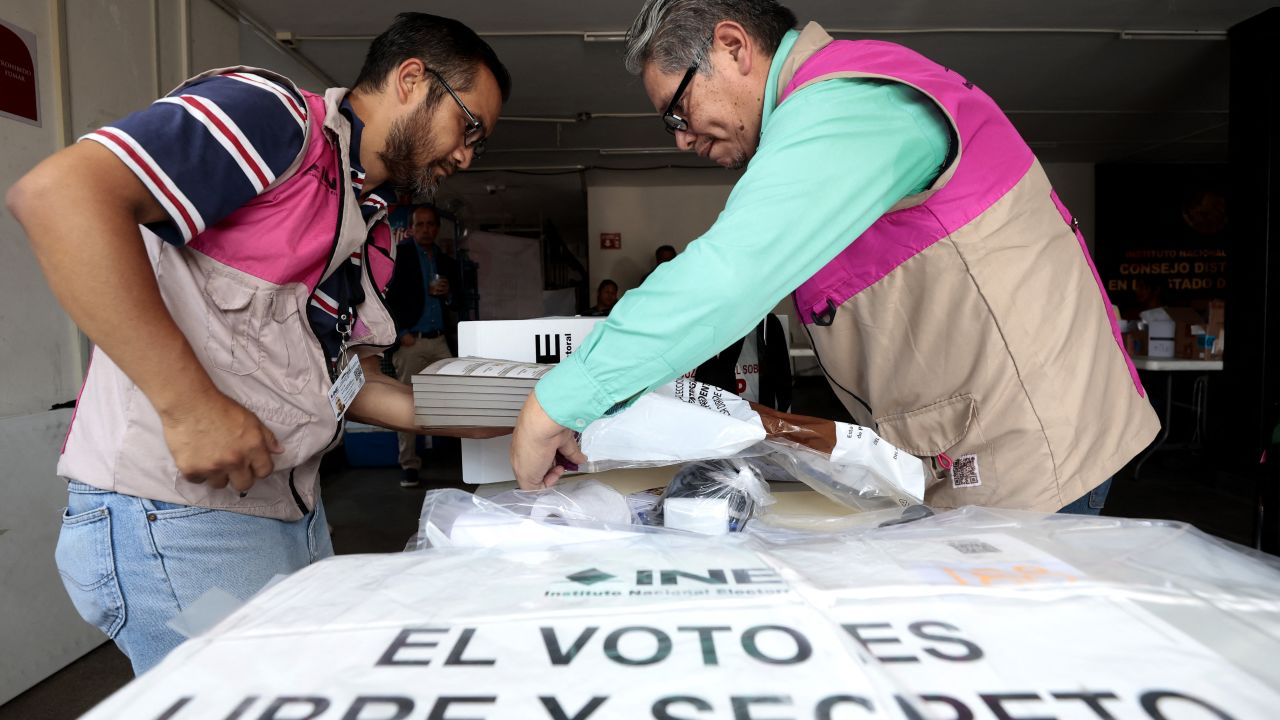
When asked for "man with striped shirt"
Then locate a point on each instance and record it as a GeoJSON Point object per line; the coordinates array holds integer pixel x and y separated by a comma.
{"type": "Point", "coordinates": [234, 277]}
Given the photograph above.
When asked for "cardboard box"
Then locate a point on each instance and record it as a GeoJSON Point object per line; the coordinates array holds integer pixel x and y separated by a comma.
{"type": "Point", "coordinates": [541, 340]}
{"type": "Point", "coordinates": [1135, 338]}
{"type": "Point", "coordinates": [1217, 321]}
{"type": "Point", "coordinates": [1186, 322]}
{"type": "Point", "coordinates": [1217, 313]}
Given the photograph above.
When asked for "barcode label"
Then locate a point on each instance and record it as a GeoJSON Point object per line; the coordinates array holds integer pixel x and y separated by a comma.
{"type": "Point", "coordinates": [973, 547]}
{"type": "Point", "coordinates": [964, 472]}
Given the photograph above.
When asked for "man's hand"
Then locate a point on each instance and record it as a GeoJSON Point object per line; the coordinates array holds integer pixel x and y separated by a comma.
{"type": "Point", "coordinates": [407, 340]}
{"type": "Point", "coordinates": [534, 444]}
{"type": "Point", "coordinates": [218, 442]}
{"type": "Point", "coordinates": [105, 281]}
{"type": "Point", "coordinates": [438, 287]}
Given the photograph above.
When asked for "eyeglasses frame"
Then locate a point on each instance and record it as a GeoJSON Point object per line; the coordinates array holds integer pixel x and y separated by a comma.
{"type": "Point", "coordinates": [473, 134]}
{"type": "Point", "coordinates": [671, 121]}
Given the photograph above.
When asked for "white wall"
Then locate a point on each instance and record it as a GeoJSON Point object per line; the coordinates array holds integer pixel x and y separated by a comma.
{"type": "Point", "coordinates": [215, 37]}
{"type": "Point", "coordinates": [650, 209]}
{"type": "Point", "coordinates": [258, 52]}
{"type": "Point", "coordinates": [111, 61]}
{"type": "Point", "coordinates": [37, 341]}
{"type": "Point", "coordinates": [40, 355]}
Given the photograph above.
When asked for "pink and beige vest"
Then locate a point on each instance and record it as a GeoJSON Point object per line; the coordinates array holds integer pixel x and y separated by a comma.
{"type": "Point", "coordinates": [239, 293]}
{"type": "Point", "coordinates": [968, 323]}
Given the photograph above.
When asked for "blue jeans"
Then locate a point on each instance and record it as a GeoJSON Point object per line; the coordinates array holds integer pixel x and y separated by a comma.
{"type": "Point", "coordinates": [1091, 502]}
{"type": "Point", "coordinates": [131, 564]}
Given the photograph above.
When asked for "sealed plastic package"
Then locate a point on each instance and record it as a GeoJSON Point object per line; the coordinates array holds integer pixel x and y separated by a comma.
{"type": "Point", "coordinates": [713, 497]}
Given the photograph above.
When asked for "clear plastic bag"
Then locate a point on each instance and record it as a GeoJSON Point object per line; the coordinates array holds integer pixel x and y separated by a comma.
{"type": "Point", "coordinates": [862, 485]}
{"type": "Point", "coordinates": [679, 422]}
{"type": "Point", "coordinates": [686, 421]}
{"type": "Point", "coordinates": [713, 497]}
{"type": "Point", "coordinates": [570, 512]}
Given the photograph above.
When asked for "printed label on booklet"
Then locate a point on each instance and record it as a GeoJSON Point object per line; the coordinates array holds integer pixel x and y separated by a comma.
{"type": "Point", "coordinates": [859, 445]}
{"type": "Point", "coordinates": [484, 367]}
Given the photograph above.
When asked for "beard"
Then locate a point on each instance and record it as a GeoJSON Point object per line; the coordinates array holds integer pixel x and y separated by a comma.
{"type": "Point", "coordinates": [410, 155]}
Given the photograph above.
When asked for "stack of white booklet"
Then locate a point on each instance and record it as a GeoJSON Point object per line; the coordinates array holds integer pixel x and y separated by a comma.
{"type": "Point", "coordinates": [473, 392]}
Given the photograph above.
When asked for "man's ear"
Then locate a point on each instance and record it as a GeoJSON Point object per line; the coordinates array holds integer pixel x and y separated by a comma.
{"type": "Point", "coordinates": [407, 78]}
{"type": "Point", "coordinates": [734, 39]}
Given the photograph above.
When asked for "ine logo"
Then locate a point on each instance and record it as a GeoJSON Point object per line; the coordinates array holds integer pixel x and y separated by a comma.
{"type": "Point", "coordinates": [590, 577]}
{"type": "Point", "coordinates": [546, 347]}
{"type": "Point", "coordinates": [668, 577]}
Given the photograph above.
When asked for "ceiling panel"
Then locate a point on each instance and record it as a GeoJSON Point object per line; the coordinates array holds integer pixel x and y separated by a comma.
{"type": "Point", "coordinates": [1077, 95]}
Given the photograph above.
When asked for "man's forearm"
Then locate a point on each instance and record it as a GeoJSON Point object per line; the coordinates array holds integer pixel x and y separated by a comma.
{"type": "Point", "coordinates": [383, 401]}
{"type": "Point", "coordinates": [387, 402]}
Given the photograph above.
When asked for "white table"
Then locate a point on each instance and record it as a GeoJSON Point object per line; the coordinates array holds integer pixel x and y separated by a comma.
{"type": "Point", "coordinates": [1168, 366]}
{"type": "Point", "coordinates": [1175, 364]}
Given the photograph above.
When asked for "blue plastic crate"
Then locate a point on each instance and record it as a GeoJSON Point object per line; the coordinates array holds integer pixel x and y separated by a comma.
{"type": "Point", "coordinates": [369, 446]}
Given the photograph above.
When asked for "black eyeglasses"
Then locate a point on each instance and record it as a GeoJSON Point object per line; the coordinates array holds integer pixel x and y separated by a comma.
{"type": "Point", "coordinates": [673, 121]}
{"type": "Point", "coordinates": [473, 133]}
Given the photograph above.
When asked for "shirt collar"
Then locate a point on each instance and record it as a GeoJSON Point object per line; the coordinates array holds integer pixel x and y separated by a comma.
{"type": "Point", "coordinates": [378, 198]}
{"type": "Point", "coordinates": [357, 127]}
{"type": "Point", "coordinates": [771, 88]}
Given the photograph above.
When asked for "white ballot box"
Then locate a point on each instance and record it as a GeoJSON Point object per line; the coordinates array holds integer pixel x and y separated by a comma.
{"type": "Point", "coordinates": [974, 613]}
{"type": "Point", "coordinates": [540, 340]}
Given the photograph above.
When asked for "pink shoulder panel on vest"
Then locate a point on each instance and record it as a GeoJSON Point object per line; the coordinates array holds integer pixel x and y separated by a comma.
{"type": "Point", "coordinates": [285, 234]}
{"type": "Point", "coordinates": [993, 160]}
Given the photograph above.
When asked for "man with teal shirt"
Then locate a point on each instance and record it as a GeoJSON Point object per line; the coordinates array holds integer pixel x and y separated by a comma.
{"type": "Point", "coordinates": [855, 197]}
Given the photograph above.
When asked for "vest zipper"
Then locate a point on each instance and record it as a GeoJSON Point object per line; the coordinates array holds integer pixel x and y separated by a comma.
{"type": "Point", "coordinates": [331, 364]}
{"type": "Point", "coordinates": [343, 189]}
{"type": "Point", "coordinates": [294, 489]}
{"type": "Point", "coordinates": [870, 414]}
{"type": "Point", "coordinates": [343, 186]}
{"type": "Point", "coordinates": [368, 273]}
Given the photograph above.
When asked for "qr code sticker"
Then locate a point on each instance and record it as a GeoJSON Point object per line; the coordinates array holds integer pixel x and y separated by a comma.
{"type": "Point", "coordinates": [964, 472]}
{"type": "Point", "coordinates": [973, 547]}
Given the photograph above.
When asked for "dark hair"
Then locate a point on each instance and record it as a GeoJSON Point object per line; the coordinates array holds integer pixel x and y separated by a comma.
{"type": "Point", "coordinates": [443, 44]}
{"type": "Point", "coordinates": [605, 282]}
{"type": "Point", "coordinates": [432, 208]}
{"type": "Point", "coordinates": [668, 248]}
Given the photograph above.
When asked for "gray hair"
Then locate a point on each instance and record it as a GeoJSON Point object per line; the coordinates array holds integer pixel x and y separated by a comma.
{"type": "Point", "coordinates": [674, 34]}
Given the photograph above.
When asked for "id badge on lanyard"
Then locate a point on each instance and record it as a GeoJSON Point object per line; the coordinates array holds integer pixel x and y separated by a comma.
{"type": "Point", "coordinates": [351, 379]}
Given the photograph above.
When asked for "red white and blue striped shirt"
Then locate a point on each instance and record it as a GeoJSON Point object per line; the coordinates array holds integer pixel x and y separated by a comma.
{"type": "Point", "coordinates": [215, 144]}
{"type": "Point", "coordinates": [209, 148]}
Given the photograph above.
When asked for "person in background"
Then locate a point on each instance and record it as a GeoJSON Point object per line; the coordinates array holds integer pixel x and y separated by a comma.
{"type": "Point", "coordinates": [230, 288]}
{"type": "Point", "coordinates": [606, 298]}
{"type": "Point", "coordinates": [950, 298]}
{"type": "Point", "coordinates": [664, 254]}
{"type": "Point", "coordinates": [419, 298]}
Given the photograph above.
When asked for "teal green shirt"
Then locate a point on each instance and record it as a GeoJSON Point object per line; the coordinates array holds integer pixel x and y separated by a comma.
{"type": "Point", "coordinates": [832, 159]}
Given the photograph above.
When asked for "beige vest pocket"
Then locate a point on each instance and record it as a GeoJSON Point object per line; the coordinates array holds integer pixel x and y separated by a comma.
{"type": "Point", "coordinates": [233, 322]}
{"type": "Point", "coordinates": [947, 435]}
